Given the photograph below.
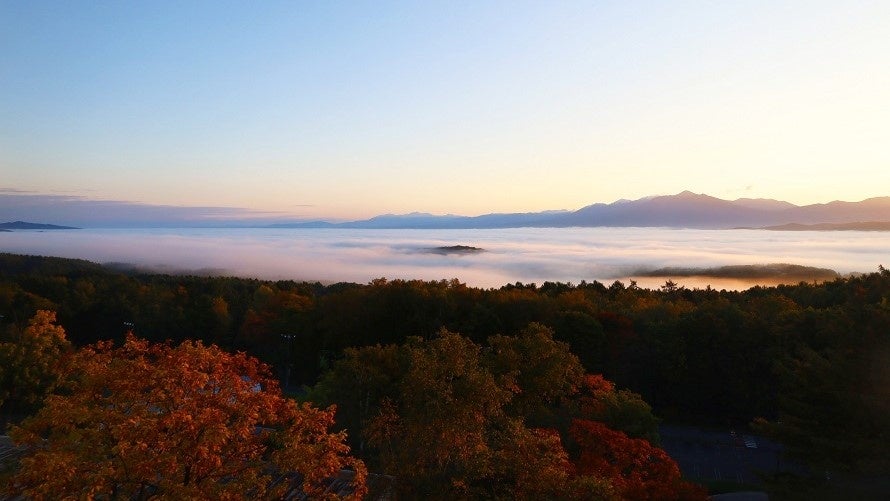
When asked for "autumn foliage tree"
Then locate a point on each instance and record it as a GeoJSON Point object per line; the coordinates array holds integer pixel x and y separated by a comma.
{"type": "Point", "coordinates": [435, 415]}
{"type": "Point", "coordinates": [637, 469]}
{"type": "Point", "coordinates": [434, 432]}
{"type": "Point", "coordinates": [191, 421]}
{"type": "Point", "coordinates": [31, 365]}
{"type": "Point", "coordinates": [597, 399]}
{"type": "Point", "coordinates": [455, 420]}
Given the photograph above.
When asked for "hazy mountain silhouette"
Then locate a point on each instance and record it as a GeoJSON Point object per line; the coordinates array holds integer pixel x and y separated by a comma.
{"type": "Point", "coordinates": [22, 225]}
{"type": "Point", "coordinates": [763, 204]}
{"type": "Point", "coordinates": [429, 221]}
{"type": "Point", "coordinates": [857, 226]}
{"type": "Point", "coordinates": [686, 209]}
{"type": "Point", "coordinates": [872, 209]}
{"type": "Point", "coordinates": [683, 210]}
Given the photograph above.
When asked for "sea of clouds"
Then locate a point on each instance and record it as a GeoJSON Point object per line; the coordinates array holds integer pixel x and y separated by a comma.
{"type": "Point", "coordinates": [511, 255]}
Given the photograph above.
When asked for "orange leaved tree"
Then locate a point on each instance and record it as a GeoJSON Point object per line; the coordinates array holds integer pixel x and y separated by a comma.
{"type": "Point", "coordinates": [30, 366]}
{"type": "Point", "coordinates": [192, 421]}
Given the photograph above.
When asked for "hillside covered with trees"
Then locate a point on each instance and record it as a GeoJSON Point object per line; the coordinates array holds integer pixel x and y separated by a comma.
{"type": "Point", "coordinates": [807, 364]}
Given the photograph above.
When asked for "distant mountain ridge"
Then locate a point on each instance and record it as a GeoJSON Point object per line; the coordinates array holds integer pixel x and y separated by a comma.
{"type": "Point", "coordinates": [857, 226]}
{"type": "Point", "coordinates": [22, 225]}
{"type": "Point", "coordinates": [683, 210]}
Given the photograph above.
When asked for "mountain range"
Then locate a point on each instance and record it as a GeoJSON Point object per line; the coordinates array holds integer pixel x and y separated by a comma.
{"type": "Point", "coordinates": [683, 210]}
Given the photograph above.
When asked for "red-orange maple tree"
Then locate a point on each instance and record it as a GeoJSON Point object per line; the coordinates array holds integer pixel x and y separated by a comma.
{"type": "Point", "coordinates": [635, 468]}
{"type": "Point", "coordinates": [190, 421]}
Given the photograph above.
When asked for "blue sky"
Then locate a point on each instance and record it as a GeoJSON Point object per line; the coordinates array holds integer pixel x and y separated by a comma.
{"type": "Point", "coordinates": [351, 109]}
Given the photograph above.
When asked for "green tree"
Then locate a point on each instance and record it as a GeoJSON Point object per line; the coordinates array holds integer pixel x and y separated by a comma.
{"type": "Point", "coordinates": [358, 383]}
{"type": "Point", "coordinates": [537, 369]}
{"type": "Point", "coordinates": [435, 432]}
{"type": "Point", "coordinates": [835, 410]}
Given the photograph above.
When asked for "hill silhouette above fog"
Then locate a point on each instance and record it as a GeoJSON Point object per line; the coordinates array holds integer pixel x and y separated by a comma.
{"type": "Point", "coordinates": [683, 210]}
{"type": "Point", "coordinates": [23, 225]}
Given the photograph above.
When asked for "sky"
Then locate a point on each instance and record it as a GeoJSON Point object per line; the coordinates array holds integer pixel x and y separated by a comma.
{"type": "Point", "coordinates": [346, 110]}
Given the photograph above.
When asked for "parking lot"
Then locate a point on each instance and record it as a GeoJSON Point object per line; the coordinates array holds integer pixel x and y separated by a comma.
{"type": "Point", "coordinates": [711, 455]}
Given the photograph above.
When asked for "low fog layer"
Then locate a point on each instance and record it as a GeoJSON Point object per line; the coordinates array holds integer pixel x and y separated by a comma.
{"type": "Point", "coordinates": [511, 255]}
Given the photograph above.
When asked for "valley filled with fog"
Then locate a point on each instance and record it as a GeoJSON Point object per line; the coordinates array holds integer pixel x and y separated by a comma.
{"type": "Point", "coordinates": [647, 255]}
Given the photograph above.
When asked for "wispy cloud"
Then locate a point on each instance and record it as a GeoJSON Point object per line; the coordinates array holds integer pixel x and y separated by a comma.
{"type": "Point", "coordinates": [75, 210]}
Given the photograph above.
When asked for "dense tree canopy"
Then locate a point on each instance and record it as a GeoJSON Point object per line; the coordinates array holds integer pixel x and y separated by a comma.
{"type": "Point", "coordinates": [456, 420]}
{"type": "Point", "coordinates": [702, 356]}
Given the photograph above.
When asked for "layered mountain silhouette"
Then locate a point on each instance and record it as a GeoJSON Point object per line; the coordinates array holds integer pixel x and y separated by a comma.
{"type": "Point", "coordinates": [683, 210]}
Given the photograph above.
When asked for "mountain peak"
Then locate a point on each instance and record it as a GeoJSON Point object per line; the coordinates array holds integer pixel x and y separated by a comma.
{"type": "Point", "coordinates": [688, 195]}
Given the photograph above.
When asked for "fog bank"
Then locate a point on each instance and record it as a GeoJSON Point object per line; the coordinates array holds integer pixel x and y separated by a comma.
{"type": "Point", "coordinates": [510, 255]}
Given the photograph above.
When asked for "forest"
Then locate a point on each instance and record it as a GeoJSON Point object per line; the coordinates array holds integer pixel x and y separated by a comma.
{"type": "Point", "coordinates": [529, 390]}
